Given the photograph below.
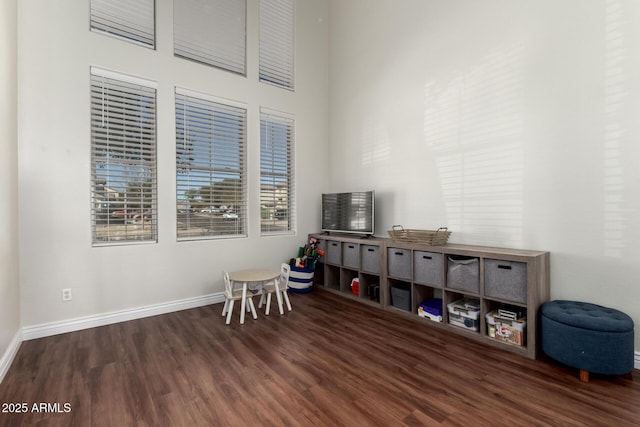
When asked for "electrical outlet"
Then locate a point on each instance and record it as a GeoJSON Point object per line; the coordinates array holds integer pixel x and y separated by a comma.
{"type": "Point", "coordinates": [66, 294]}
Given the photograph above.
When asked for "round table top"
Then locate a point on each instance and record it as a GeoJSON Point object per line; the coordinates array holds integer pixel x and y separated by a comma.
{"type": "Point", "coordinates": [254, 275]}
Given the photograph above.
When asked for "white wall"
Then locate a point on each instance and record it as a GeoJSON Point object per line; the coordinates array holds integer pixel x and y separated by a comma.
{"type": "Point", "coordinates": [9, 285]}
{"type": "Point", "coordinates": [514, 123]}
{"type": "Point", "coordinates": [56, 50]}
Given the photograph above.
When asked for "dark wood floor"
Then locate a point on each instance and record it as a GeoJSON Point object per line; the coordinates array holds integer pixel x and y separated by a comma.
{"type": "Point", "coordinates": [329, 362]}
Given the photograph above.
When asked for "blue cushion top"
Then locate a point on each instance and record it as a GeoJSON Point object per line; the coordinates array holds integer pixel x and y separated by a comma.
{"type": "Point", "coordinates": [587, 316]}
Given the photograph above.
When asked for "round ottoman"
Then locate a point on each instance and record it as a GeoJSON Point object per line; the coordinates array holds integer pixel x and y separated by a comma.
{"type": "Point", "coordinates": [588, 337]}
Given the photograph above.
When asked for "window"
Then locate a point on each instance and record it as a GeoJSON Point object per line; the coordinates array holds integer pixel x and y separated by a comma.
{"type": "Point", "coordinates": [123, 158]}
{"type": "Point", "coordinates": [211, 139]}
{"type": "Point", "coordinates": [277, 195]}
{"type": "Point", "coordinates": [132, 20]}
{"type": "Point", "coordinates": [212, 32]}
{"type": "Point", "coordinates": [277, 24]}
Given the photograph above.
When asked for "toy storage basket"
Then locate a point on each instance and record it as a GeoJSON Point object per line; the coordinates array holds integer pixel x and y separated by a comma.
{"type": "Point", "coordinates": [426, 237]}
{"type": "Point", "coordinates": [300, 280]}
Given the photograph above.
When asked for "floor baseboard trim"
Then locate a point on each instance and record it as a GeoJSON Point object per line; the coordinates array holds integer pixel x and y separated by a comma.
{"type": "Point", "coordinates": [10, 354]}
{"type": "Point", "coordinates": [637, 360]}
{"type": "Point", "coordinates": [80, 323]}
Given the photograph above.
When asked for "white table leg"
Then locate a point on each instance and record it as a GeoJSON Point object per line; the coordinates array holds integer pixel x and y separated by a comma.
{"type": "Point", "coordinates": [243, 303]}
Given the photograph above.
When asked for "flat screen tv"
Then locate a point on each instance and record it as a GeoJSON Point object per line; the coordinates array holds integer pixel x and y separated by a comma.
{"type": "Point", "coordinates": [348, 212]}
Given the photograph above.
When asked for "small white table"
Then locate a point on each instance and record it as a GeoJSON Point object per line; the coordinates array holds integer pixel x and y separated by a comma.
{"type": "Point", "coordinates": [256, 275]}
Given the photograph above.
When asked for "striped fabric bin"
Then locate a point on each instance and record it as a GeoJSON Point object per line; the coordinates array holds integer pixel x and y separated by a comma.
{"type": "Point", "coordinates": [300, 280]}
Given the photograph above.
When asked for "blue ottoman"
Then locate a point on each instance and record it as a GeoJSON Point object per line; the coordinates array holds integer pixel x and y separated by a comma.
{"type": "Point", "coordinates": [588, 337]}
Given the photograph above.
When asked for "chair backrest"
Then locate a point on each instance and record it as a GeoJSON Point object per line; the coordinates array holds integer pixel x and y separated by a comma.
{"type": "Point", "coordinates": [228, 286]}
{"type": "Point", "coordinates": [285, 269]}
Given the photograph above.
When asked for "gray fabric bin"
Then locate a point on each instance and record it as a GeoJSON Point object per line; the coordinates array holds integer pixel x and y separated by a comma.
{"type": "Point", "coordinates": [463, 273]}
{"type": "Point", "coordinates": [427, 268]}
{"type": "Point", "coordinates": [334, 253]}
{"type": "Point", "coordinates": [350, 255]}
{"type": "Point", "coordinates": [401, 296]}
{"type": "Point", "coordinates": [370, 256]}
{"type": "Point", "coordinates": [399, 262]}
{"type": "Point", "coordinates": [505, 280]}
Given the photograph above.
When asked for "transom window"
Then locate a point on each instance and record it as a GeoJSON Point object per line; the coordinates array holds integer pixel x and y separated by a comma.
{"type": "Point", "coordinates": [131, 20]}
{"type": "Point", "coordinates": [212, 32]}
{"type": "Point", "coordinates": [277, 44]}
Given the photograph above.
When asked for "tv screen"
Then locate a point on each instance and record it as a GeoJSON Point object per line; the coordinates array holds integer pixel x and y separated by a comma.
{"type": "Point", "coordinates": [348, 212]}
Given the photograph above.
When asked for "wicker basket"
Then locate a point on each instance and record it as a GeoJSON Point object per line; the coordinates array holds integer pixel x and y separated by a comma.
{"type": "Point", "coordinates": [425, 237]}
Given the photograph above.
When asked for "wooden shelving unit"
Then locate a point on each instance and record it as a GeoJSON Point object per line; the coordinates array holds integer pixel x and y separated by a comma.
{"type": "Point", "coordinates": [496, 277]}
{"type": "Point", "coordinates": [347, 258]}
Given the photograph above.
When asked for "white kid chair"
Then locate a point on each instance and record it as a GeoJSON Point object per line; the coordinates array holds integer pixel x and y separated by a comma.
{"type": "Point", "coordinates": [231, 295]}
{"type": "Point", "coordinates": [279, 287]}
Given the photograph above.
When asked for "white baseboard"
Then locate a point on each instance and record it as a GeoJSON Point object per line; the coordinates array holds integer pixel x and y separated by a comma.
{"type": "Point", "coordinates": [636, 363]}
{"type": "Point", "coordinates": [80, 323]}
{"type": "Point", "coordinates": [10, 354]}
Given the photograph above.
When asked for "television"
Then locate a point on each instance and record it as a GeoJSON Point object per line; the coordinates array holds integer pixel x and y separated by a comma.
{"type": "Point", "coordinates": [348, 212]}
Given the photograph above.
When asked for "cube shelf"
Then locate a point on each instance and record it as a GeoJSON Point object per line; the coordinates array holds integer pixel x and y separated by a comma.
{"type": "Point", "coordinates": [399, 276]}
{"type": "Point", "coordinates": [347, 258]}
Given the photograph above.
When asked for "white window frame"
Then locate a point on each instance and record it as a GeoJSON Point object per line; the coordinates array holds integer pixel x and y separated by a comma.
{"type": "Point", "coordinates": [128, 20]}
{"type": "Point", "coordinates": [277, 173]}
{"type": "Point", "coordinates": [123, 159]}
{"type": "Point", "coordinates": [277, 43]}
{"type": "Point", "coordinates": [211, 148]}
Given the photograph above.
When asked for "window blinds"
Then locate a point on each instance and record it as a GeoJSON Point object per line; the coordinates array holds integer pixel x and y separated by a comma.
{"type": "Point", "coordinates": [277, 195]}
{"type": "Point", "coordinates": [123, 159]}
{"type": "Point", "coordinates": [277, 25]}
{"type": "Point", "coordinates": [212, 32]}
{"type": "Point", "coordinates": [211, 167]}
{"type": "Point", "coordinates": [132, 20]}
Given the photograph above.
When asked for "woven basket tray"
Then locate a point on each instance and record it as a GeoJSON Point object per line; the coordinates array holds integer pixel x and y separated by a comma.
{"type": "Point", "coordinates": [426, 237]}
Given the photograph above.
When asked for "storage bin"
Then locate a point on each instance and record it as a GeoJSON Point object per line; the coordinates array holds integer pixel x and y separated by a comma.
{"type": "Point", "coordinates": [431, 309]}
{"type": "Point", "coordinates": [465, 314]}
{"type": "Point", "coordinates": [350, 255]}
{"type": "Point", "coordinates": [399, 263]}
{"type": "Point", "coordinates": [334, 253]}
{"type": "Point", "coordinates": [428, 268]}
{"type": "Point", "coordinates": [300, 280]}
{"type": "Point", "coordinates": [463, 273]}
{"type": "Point", "coordinates": [507, 330]}
{"type": "Point", "coordinates": [505, 280]}
{"type": "Point", "coordinates": [401, 296]}
{"type": "Point", "coordinates": [370, 256]}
